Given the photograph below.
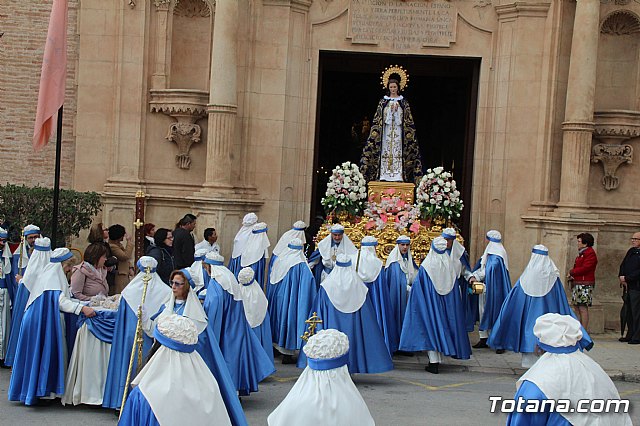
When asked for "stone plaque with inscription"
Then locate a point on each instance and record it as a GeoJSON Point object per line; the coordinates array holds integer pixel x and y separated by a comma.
{"type": "Point", "coordinates": [403, 24]}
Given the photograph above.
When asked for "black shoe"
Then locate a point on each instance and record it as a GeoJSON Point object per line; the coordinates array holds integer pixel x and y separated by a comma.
{"type": "Point", "coordinates": [624, 339]}
{"type": "Point", "coordinates": [288, 359]}
{"type": "Point", "coordinates": [633, 342]}
{"type": "Point", "coordinates": [432, 367]}
{"type": "Point", "coordinates": [403, 353]}
{"type": "Point", "coordinates": [499, 351]}
{"type": "Point", "coordinates": [481, 344]}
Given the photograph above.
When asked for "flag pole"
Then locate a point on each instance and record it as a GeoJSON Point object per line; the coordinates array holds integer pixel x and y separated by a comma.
{"type": "Point", "coordinates": [56, 182]}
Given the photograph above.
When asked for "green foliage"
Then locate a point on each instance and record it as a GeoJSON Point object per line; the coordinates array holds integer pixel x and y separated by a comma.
{"type": "Point", "coordinates": [22, 205]}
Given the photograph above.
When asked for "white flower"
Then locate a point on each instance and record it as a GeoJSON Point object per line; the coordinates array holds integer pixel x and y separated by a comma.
{"type": "Point", "coordinates": [430, 176]}
{"type": "Point", "coordinates": [347, 180]}
{"type": "Point", "coordinates": [432, 201]}
{"type": "Point", "coordinates": [331, 192]}
{"type": "Point", "coordinates": [440, 182]}
{"type": "Point", "coordinates": [438, 170]}
{"type": "Point", "coordinates": [446, 202]}
{"type": "Point", "coordinates": [428, 170]}
{"type": "Point", "coordinates": [457, 214]}
{"type": "Point", "coordinates": [353, 196]}
{"type": "Point", "coordinates": [448, 184]}
{"type": "Point", "coordinates": [436, 188]}
{"type": "Point", "coordinates": [446, 189]}
{"type": "Point", "coordinates": [347, 172]}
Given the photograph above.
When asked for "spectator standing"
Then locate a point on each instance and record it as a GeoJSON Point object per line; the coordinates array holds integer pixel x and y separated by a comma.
{"type": "Point", "coordinates": [629, 276]}
{"type": "Point", "coordinates": [98, 234]}
{"type": "Point", "coordinates": [117, 234]}
{"type": "Point", "coordinates": [583, 277]}
{"type": "Point", "coordinates": [162, 252]}
{"type": "Point", "coordinates": [149, 232]}
{"type": "Point", "coordinates": [183, 241]}
{"type": "Point", "coordinates": [90, 277]}
{"type": "Point", "coordinates": [210, 242]}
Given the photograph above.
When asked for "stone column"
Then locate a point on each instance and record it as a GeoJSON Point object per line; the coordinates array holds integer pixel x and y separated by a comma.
{"type": "Point", "coordinates": [159, 77]}
{"type": "Point", "coordinates": [223, 104]}
{"type": "Point", "coordinates": [578, 125]}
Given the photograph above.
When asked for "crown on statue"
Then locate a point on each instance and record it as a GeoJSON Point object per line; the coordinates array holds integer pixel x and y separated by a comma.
{"type": "Point", "coordinates": [399, 71]}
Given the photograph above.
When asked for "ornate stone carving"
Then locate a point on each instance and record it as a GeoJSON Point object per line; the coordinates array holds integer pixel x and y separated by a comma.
{"type": "Point", "coordinates": [611, 156]}
{"type": "Point", "coordinates": [186, 106]}
{"type": "Point", "coordinates": [162, 4]}
{"type": "Point", "coordinates": [184, 134]}
{"type": "Point", "coordinates": [192, 8]}
{"type": "Point", "coordinates": [620, 22]}
{"type": "Point", "coordinates": [616, 126]}
{"type": "Point", "coordinates": [616, 2]}
{"type": "Point", "coordinates": [132, 3]}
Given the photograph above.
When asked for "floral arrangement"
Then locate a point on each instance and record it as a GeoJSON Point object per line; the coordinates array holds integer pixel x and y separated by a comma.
{"type": "Point", "coordinates": [438, 197]}
{"type": "Point", "coordinates": [346, 190]}
{"type": "Point", "coordinates": [392, 207]}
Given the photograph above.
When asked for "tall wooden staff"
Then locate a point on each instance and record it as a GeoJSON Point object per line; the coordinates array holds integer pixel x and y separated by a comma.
{"type": "Point", "coordinates": [138, 340]}
{"type": "Point", "coordinates": [22, 248]}
{"type": "Point", "coordinates": [139, 225]}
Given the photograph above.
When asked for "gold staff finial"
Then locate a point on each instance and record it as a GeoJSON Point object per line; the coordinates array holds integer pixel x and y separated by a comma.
{"type": "Point", "coordinates": [313, 322]}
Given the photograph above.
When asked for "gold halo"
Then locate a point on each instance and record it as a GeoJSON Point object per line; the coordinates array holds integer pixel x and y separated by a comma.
{"type": "Point", "coordinates": [395, 69]}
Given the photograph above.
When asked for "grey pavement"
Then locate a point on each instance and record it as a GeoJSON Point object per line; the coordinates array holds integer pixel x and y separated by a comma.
{"type": "Point", "coordinates": [405, 396]}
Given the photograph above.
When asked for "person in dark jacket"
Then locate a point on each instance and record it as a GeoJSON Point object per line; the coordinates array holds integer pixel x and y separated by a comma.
{"type": "Point", "coordinates": [629, 276]}
{"type": "Point", "coordinates": [163, 253]}
{"type": "Point", "coordinates": [183, 241]}
{"type": "Point", "coordinates": [583, 277]}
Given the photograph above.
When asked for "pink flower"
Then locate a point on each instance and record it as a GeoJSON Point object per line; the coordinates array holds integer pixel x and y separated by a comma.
{"type": "Point", "coordinates": [390, 191]}
{"type": "Point", "coordinates": [370, 225]}
{"type": "Point", "coordinates": [415, 227]}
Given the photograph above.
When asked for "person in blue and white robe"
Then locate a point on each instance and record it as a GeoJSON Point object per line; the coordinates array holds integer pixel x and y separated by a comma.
{"type": "Point", "coordinates": [183, 301]}
{"type": "Point", "coordinates": [298, 231]}
{"type": "Point", "coordinates": [40, 363]}
{"type": "Point", "coordinates": [370, 270]}
{"type": "Point", "coordinates": [400, 272]}
{"type": "Point", "coordinates": [342, 304]}
{"type": "Point", "coordinates": [255, 253]}
{"type": "Point", "coordinates": [20, 258]}
{"type": "Point", "coordinates": [39, 259]}
{"type": "Point", "coordinates": [564, 372]}
{"type": "Point", "coordinates": [256, 309]}
{"type": "Point", "coordinates": [247, 361]}
{"type": "Point", "coordinates": [323, 260]}
{"type": "Point", "coordinates": [240, 241]}
{"type": "Point", "coordinates": [460, 259]}
{"type": "Point", "coordinates": [434, 321]}
{"type": "Point", "coordinates": [538, 291]}
{"type": "Point", "coordinates": [494, 273]}
{"type": "Point", "coordinates": [198, 273]}
{"type": "Point", "coordinates": [125, 328]}
{"type": "Point", "coordinates": [290, 293]}
{"type": "Point", "coordinates": [5, 301]}
{"type": "Point", "coordinates": [175, 387]}
{"type": "Point", "coordinates": [326, 386]}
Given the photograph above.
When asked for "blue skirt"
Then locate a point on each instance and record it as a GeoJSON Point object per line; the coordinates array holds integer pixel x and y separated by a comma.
{"type": "Point", "coordinates": [368, 352]}
{"type": "Point", "coordinates": [434, 322]}
{"type": "Point", "coordinates": [513, 329]}
{"type": "Point", "coordinates": [17, 313]}
{"type": "Point", "coordinates": [137, 411]}
{"type": "Point", "coordinates": [39, 364]}
{"type": "Point", "coordinates": [379, 295]}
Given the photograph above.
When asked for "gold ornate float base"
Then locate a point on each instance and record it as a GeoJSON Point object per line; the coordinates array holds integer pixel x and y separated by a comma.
{"type": "Point", "coordinates": [404, 190]}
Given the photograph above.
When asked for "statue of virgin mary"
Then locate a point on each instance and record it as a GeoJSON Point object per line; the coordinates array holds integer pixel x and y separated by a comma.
{"type": "Point", "coordinates": [392, 153]}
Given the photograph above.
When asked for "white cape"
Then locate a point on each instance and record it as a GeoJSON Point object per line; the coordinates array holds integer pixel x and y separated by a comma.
{"type": "Point", "coordinates": [346, 247]}
{"type": "Point", "coordinates": [255, 303]}
{"type": "Point", "coordinates": [51, 278]}
{"type": "Point", "coordinates": [539, 276]}
{"type": "Point", "coordinates": [369, 266]}
{"type": "Point", "coordinates": [330, 397]}
{"type": "Point", "coordinates": [496, 249]}
{"type": "Point", "coordinates": [157, 293]}
{"type": "Point", "coordinates": [345, 289]}
{"type": "Point", "coordinates": [192, 309]}
{"type": "Point", "coordinates": [181, 390]}
{"type": "Point", "coordinates": [575, 376]}
{"type": "Point", "coordinates": [441, 271]}
{"type": "Point", "coordinates": [285, 261]}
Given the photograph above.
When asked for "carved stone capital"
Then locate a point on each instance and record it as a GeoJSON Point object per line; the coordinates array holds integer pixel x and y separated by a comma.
{"type": "Point", "coordinates": [611, 156]}
{"type": "Point", "coordinates": [162, 4]}
{"type": "Point", "coordinates": [184, 135]}
{"type": "Point", "coordinates": [186, 106]}
{"type": "Point", "coordinates": [616, 126]}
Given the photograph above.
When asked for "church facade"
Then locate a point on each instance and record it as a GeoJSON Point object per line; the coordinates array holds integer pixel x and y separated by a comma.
{"type": "Point", "coordinates": [213, 107]}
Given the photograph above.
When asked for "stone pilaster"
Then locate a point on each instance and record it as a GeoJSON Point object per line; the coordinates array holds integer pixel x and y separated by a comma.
{"type": "Point", "coordinates": [578, 126]}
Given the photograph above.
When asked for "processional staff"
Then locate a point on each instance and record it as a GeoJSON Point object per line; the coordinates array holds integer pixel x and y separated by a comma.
{"type": "Point", "coordinates": [139, 225]}
{"type": "Point", "coordinates": [138, 339]}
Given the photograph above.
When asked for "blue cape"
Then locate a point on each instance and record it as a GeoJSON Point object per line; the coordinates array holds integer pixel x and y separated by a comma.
{"type": "Point", "coordinates": [368, 352]}
{"type": "Point", "coordinates": [290, 301]}
{"type": "Point", "coordinates": [530, 391]}
{"type": "Point", "coordinates": [39, 364]}
{"type": "Point", "coordinates": [17, 313]}
{"type": "Point", "coordinates": [379, 295]}
{"type": "Point", "coordinates": [434, 322]}
{"type": "Point", "coordinates": [513, 329]}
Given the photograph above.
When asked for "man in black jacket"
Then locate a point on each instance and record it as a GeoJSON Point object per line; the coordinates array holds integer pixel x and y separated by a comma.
{"type": "Point", "coordinates": [630, 279]}
{"type": "Point", "coordinates": [183, 242]}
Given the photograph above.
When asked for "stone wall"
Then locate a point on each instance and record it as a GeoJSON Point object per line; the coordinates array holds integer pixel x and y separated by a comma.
{"type": "Point", "coordinates": [25, 25]}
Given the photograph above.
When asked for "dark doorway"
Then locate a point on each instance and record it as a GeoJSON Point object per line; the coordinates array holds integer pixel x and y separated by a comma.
{"type": "Point", "coordinates": [442, 93]}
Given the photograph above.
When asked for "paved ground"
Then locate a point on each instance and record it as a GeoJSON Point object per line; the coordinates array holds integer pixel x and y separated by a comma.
{"type": "Point", "coordinates": [405, 396]}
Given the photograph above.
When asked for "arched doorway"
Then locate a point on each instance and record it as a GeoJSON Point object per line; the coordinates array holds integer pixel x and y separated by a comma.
{"type": "Point", "coordinates": [442, 92]}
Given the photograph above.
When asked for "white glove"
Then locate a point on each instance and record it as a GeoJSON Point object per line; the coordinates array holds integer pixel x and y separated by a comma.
{"type": "Point", "coordinates": [408, 288]}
